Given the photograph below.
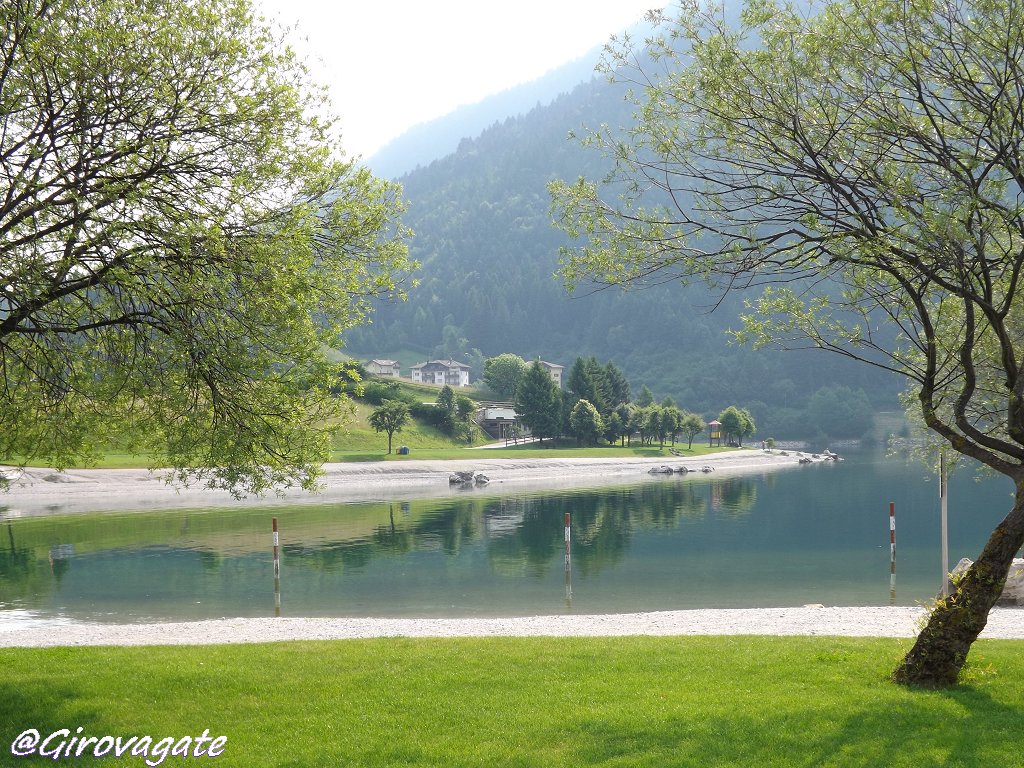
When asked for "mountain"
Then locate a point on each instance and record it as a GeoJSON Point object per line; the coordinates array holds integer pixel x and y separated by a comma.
{"type": "Point", "coordinates": [489, 253]}
{"type": "Point", "coordinates": [432, 140]}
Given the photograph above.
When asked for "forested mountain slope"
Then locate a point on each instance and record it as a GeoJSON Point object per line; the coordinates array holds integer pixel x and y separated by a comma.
{"type": "Point", "coordinates": [489, 254]}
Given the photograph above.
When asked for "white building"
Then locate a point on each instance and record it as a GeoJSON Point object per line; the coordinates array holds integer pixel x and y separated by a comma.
{"type": "Point", "coordinates": [450, 372]}
{"type": "Point", "coordinates": [383, 368]}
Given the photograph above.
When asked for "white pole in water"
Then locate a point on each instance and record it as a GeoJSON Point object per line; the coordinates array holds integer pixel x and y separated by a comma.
{"type": "Point", "coordinates": [568, 562]}
{"type": "Point", "coordinates": [277, 571]}
{"type": "Point", "coordinates": [944, 504]}
{"type": "Point", "coordinates": [568, 518]}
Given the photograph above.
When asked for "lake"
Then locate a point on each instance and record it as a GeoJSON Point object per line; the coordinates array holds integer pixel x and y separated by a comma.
{"type": "Point", "coordinates": [809, 534]}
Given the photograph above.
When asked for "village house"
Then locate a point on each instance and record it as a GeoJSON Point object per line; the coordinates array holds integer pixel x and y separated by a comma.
{"type": "Point", "coordinates": [554, 371]}
{"type": "Point", "coordinates": [383, 368]}
{"type": "Point", "coordinates": [499, 421]}
{"type": "Point", "coordinates": [450, 372]}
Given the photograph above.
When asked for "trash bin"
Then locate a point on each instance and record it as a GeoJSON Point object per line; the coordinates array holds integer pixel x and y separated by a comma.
{"type": "Point", "coordinates": [403, 450]}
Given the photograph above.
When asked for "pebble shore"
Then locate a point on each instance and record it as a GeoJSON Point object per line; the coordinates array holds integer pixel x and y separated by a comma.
{"type": "Point", "coordinates": [41, 491]}
{"type": "Point", "coordinates": [888, 621]}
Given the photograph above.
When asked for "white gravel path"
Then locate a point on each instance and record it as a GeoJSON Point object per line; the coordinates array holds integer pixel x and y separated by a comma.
{"type": "Point", "coordinates": [890, 621]}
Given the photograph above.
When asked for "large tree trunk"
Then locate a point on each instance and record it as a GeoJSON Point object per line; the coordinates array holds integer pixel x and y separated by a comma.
{"type": "Point", "coordinates": [941, 649]}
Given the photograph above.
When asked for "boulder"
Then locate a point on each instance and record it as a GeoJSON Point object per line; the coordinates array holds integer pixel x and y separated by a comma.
{"type": "Point", "coordinates": [1013, 590]}
{"type": "Point", "coordinates": [468, 478]}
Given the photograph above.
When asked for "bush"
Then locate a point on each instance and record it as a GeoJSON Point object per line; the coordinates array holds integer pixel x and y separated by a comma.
{"type": "Point", "coordinates": [375, 392]}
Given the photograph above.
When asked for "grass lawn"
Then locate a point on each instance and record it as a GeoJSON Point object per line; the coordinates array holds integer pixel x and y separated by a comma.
{"type": "Point", "coordinates": [560, 449]}
{"type": "Point", "coordinates": [373, 447]}
{"type": "Point", "coordinates": [740, 701]}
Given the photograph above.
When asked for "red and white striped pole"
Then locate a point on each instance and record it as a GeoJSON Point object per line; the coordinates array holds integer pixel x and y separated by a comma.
{"type": "Point", "coordinates": [892, 531]}
{"type": "Point", "coordinates": [892, 551]}
{"type": "Point", "coordinates": [277, 571]}
{"type": "Point", "coordinates": [277, 552]}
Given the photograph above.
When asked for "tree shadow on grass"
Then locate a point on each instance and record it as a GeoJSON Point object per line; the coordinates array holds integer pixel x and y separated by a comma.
{"type": "Point", "coordinates": [964, 726]}
{"type": "Point", "coordinates": [46, 707]}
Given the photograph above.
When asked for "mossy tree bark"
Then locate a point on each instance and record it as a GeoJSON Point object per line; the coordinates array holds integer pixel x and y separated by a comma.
{"type": "Point", "coordinates": [942, 646]}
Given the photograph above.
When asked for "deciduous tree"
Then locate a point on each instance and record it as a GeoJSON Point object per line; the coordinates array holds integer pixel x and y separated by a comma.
{"type": "Point", "coordinates": [692, 425]}
{"type": "Point", "coordinates": [586, 422]}
{"type": "Point", "coordinates": [390, 416]}
{"type": "Point", "coordinates": [180, 240]}
{"type": "Point", "coordinates": [504, 373]}
{"type": "Point", "coordinates": [862, 162]}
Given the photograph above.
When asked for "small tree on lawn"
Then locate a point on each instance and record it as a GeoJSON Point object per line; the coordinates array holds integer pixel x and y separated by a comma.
{"type": "Point", "coordinates": [464, 409]}
{"type": "Point", "coordinates": [738, 423]}
{"type": "Point", "coordinates": [692, 425]}
{"type": "Point", "coordinates": [614, 427]}
{"type": "Point", "coordinates": [672, 420]}
{"type": "Point", "coordinates": [390, 416]}
{"type": "Point", "coordinates": [586, 423]}
{"type": "Point", "coordinates": [446, 408]}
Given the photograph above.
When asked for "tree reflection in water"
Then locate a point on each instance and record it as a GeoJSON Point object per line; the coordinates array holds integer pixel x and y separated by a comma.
{"type": "Point", "coordinates": [603, 522]}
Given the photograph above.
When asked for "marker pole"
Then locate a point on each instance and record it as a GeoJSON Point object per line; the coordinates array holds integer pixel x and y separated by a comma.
{"type": "Point", "coordinates": [568, 554]}
{"type": "Point", "coordinates": [568, 563]}
{"type": "Point", "coordinates": [277, 571]}
{"type": "Point", "coordinates": [892, 531]}
{"type": "Point", "coordinates": [892, 551]}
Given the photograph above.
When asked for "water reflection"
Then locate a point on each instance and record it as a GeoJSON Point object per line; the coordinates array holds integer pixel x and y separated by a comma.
{"type": "Point", "coordinates": [782, 539]}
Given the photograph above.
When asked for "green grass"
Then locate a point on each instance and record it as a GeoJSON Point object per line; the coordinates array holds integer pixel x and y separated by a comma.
{"type": "Point", "coordinates": [527, 451]}
{"type": "Point", "coordinates": [741, 701]}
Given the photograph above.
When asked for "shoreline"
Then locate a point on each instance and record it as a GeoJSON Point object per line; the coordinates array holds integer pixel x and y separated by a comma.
{"type": "Point", "coordinates": [43, 491]}
{"type": "Point", "coordinates": [815, 621]}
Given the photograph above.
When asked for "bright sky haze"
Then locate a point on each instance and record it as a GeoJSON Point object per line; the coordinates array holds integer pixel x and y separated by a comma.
{"type": "Point", "coordinates": [392, 65]}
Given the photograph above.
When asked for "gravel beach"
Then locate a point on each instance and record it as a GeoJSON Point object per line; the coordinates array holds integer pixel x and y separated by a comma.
{"type": "Point", "coordinates": [41, 491]}
{"type": "Point", "coordinates": [890, 621]}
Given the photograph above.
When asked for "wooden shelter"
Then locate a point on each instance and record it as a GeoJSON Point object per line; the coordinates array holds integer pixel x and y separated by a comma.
{"type": "Point", "coordinates": [714, 432]}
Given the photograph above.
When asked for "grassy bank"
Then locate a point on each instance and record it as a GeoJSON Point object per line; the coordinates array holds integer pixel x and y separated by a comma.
{"type": "Point", "coordinates": [426, 444]}
{"type": "Point", "coordinates": [526, 702]}
{"type": "Point", "coordinates": [560, 450]}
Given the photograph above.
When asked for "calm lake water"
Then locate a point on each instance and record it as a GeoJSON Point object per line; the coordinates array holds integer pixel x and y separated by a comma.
{"type": "Point", "coordinates": [810, 534]}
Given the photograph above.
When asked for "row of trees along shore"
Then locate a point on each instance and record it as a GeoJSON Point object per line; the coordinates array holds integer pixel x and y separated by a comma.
{"type": "Point", "coordinates": [595, 405]}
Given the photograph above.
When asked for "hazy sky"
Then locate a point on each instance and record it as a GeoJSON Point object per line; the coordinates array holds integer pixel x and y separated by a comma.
{"type": "Point", "coordinates": [391, 65]}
